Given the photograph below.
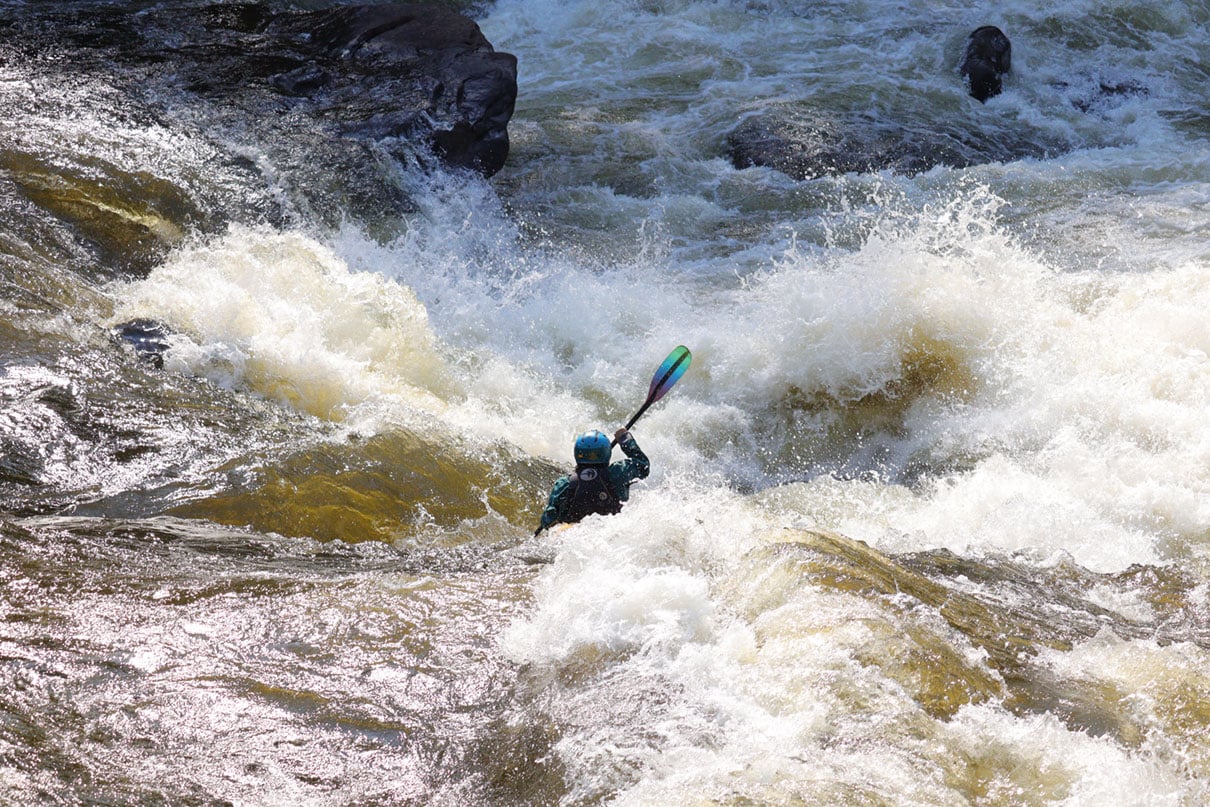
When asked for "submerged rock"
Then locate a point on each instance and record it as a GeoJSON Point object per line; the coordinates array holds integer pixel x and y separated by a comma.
{"type": "Point", "coordinates": [396, 484]}
{"type": "Point", "coordinates": [1105, 94]}
{"type": "Point", "coordinates": [147, 338]}
{"type": "Point", "coordinates": [1013, 614]}
{"type": "Point", "coordinates": [806, 144]}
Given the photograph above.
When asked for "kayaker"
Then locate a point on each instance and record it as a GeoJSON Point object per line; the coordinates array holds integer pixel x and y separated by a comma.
{"type": "Point", "coordinates": [596, 486]}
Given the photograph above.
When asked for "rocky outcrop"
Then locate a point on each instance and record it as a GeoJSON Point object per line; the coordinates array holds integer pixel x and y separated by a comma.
{"type": "Point", "coordinates": [391, 72]}
{"type": "Point", "coordinates": [147, 338]}
{"type": "Point", "coordinates": [321, 100]}
{"type": "Point", "coordinates": [1102, 95]}
{"type": "Point", "coordinates": [189, 117]}
{"type": "Point", "coordinates": [377, 73]}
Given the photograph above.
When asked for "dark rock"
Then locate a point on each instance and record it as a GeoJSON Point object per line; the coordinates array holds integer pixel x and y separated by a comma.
{"type": "Point", "coordinates": [301, 81]}
{"type": "Point", "coordinates": [806, 144]}
{"type": "Point", "coordinates": [402, 71]}
{"type": "Point", "coordinates": [419, 73]}
{"type": "Point", "coordinates": [809, 145]}
{"type": "Point", "coordinates": [1108, 94]}
{"type": "Point", "coordinates": [148, 339]}
{"type": "Point", "coordinates": [988, 56]}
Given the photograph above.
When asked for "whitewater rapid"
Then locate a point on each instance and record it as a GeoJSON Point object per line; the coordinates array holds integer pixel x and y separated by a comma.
{"type": "Point", "coordinates": [929, 516]}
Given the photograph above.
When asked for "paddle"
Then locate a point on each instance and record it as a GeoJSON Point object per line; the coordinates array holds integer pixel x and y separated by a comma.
{"type": "Point", "coordinates": [667, 374]}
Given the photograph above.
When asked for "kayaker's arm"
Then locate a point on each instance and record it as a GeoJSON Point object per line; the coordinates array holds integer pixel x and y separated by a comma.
{"type": "Point", "coordinates": [554, 504]}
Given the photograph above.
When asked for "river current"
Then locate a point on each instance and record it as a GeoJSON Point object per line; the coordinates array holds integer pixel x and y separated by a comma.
{"type": "Point", "coordinates": [929, 516]}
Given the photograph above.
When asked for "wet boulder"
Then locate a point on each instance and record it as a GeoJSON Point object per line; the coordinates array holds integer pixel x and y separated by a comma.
{"type": "Point", "coordinates": [806, 144]}
{"type": "Point", "coordinates": [411, 78]}
{"type": "Point", "coordinates": [383, 72]}
{"type": "Point", "coordinates": [987, 58]}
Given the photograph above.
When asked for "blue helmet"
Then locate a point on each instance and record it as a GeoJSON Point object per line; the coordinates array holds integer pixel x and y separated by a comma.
{"type": "Point", "coordinates": [593, 448]}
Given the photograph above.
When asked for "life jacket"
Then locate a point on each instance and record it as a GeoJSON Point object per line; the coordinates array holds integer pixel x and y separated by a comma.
{"type": "Point", "coordinates": [590, 492]}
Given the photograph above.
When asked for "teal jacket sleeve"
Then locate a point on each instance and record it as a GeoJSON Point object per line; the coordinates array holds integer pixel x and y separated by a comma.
{"type": "Point", "coordinates": [554, 503]}
{"type": "Point", "coordinates": [636, 466]}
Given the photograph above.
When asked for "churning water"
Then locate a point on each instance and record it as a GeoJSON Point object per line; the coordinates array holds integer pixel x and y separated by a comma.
{"type": "Point", "coordinates": [929, 516]}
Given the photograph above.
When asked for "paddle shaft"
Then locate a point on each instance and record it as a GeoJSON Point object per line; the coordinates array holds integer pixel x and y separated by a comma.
{"type": "Point", "coordinates": [637, 415]}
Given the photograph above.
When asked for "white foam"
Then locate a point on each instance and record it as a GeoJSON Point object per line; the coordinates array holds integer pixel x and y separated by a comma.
{"type": "Point", "coordinates": [767, 687]}
{"type": "Point", "coordinates": [282, 316]}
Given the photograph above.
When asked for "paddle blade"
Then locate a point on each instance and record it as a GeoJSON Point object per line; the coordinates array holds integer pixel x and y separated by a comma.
{"type": "Point", "coordinates": [669, 373]}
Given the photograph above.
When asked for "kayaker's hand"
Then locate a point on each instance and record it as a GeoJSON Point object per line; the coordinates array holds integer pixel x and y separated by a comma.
{"type": "Point", "coordinates": [621, 435]}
